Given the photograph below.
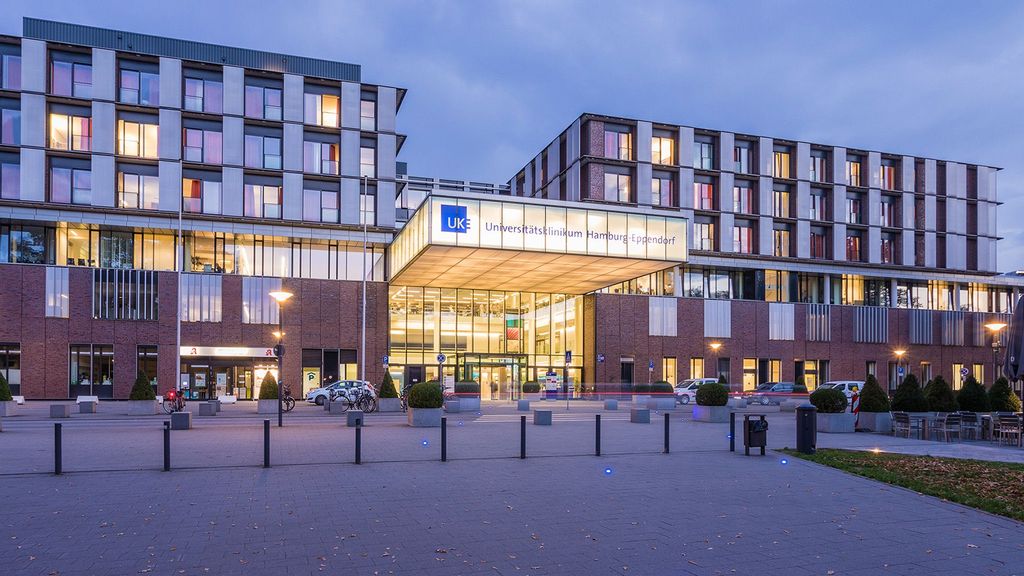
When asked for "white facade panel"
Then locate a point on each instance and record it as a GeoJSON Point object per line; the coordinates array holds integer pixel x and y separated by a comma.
{"type": "Point", "coordinates": [170, 82]}
{"type": "Point", "coordinates": [803, 161]}
{"type": "Point", "coordinates": [644, 132]}
{"type": "Point", "coordinates": [292, 196]}
{"type": "Point", "coordinates": [387, 109]}
{"type": "Point", "coordinates": [293, 98]}
{"type": "Point", "coordinates": [907, 178]}
{"type": "Point", "coordinates": [170, 185]}
{"type": "Point", "coordinates": [766, 156]}
{"type": "Point", "coordinates": [232, 190]}
{"type": "Point", "coordinates": [170, 134]}
{"type": "Point", "coordinates": [874, 176]}
{"type": "Point", "coordinates": [717, 319]}
{"type": "Point", "coordinates": [726, 143]}
{"type": "Point", "coordinates": [104, 74]}
{"type": "Point", "coordinates": [350, 98]}
{"type": "Point", "coordinates": [929, 249]}
{"type": "Point", "coordinates": [685, 152]}
{"type": "Point", "coordinates": [385, 204]}
{"type": "Point", "coordinates": [874, 244]}
{"type": "Point", "coordinates": [803, 235]}
{"type": "Point", "coordinates": [803, 199]}
{"type": "Point", "coordinates": [874, 206]}
{"type": "Point", "coordinates": [929, 177]}
{"type": "Point", "coordinates": [33, 65]}
{"type": "Point", "coordinates": [725, 226]}
{"type": "Point", "coordinates": [33, 174]}
{"type": "Point", "coordinates": [234, 91]}
{"type": "Point", "coordinates": [349, 153]}
{"type": "Point", "coordinates": [234, 141]}
{"type": "Point", "coordinates": [686, 187]}
{"type": "Point", "coordinates": [930, 212]}
{"type": "Point", "coordinates": [643, 183]}
{"type": "Point", "coordinates": [350, 189]}
{"type": "Point", "coordinates": [293, 147]}
{"type": "Point", "coordinates": [765, 242]}
{"type": "Point", "coordinates": [781, 321]}
{"type": "Point", "coordinates": [103, 180]}
{"type": "Point", "coordinates": [104, 127]}
{"type": "Point", "coordinates": [839, 165]}
{"type": "Point", "coordinates": [33, 120]}
{"type": "Point", "coordinates": [907, 247]}
{"type": "Point", "coordinates": [386, 144]}
{"type": "Point", "coordinates": [839, 242]}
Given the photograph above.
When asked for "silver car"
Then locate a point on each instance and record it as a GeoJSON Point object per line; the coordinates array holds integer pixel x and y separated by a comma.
{"type": "Point", "coordinates": [319, 396]}
{"type": "Point", "coordinates": [686, 391]}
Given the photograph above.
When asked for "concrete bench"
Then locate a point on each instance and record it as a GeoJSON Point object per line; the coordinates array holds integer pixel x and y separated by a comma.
{"type": "Point", "coordinates": [207, 408]}
{"type": "Point", "coordinates": [338, 407]}
{"type": "Point", "coordinates": [19, 400]}
{"type": "Point", "coordinates": [94, 399]}
{"type": "Point", "coordinates": [611, 404]}
{"type": "Point", "coordinates": [523, 406]}
{"type": "Point", "coordinates": [354, 418]}
{"type": "Point", "coordinates": [542, 417]}
{"type": "Point", "coordinates": [181, 421]}
{"type": "Point", "coordinates": [640, 415]}
{"type": "Point", "coordinates": [60, 411]}
{"type": "Point", "coordinates": [226, 400]}
{"type": "Point", "coordinates": [87, 407]}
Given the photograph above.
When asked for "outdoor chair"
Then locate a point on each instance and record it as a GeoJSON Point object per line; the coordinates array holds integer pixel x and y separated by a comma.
{"type": "Point", "coordinates": [1009, 429]}
{"type": "Point", "coordinates": [948, 425]}
{"type": "Point", "coordinates": [902, 425]}
{"type": "Point", "coordinates": [970, 425]}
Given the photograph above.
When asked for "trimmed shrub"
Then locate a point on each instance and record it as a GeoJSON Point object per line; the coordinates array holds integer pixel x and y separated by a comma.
{"type": "Point", "coordinates": [662, 387]}
{"type": "Point", "coordinates": [712, 395]}
{"type": "Point", "coordinates": [532, 387]}
{"type": "Point", "coordinates": [872, 397]}
{"type": "Point", "coordinates": [387, 387]}
{"type": "Point", "coordinates": [142, 389]}
{"type": "Point", "coordinates": [468, 387]}
{"type": "Point", "coordinates": [5, 390]}
{"type": "Point", "coordinates": [426, 395]}
{"type": "Point", "coordinates": [909, 397]}
{"type": "Point", "coordinates": [1000, 396]}
{"type": "Point", "coordinates": [940, 396]}
{"type": "Point", "coordinates": [829, 401]}
{"type": "Point", "coordinates": [641, 389]}
{"type": "Point", "coordinates": [972, 397]}
{"type": "Point", "coordinates": [268, 389]}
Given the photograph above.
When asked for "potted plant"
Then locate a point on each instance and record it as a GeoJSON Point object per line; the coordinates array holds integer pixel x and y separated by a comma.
{"type": "Point", "coordinates": [531, 390]}
{"type": "Point", "coordinates": [1001, 398]}
{"type": "Point", "coordinates": [909, 397]}
{"type": "Point", "coordinates": [468, 393]}
{"type": "Point", "coordinates": [832, 414]}
{"type": "Point", "coordinates": [425, 401]}
{"type": "Point", "coordinates": [7, 404]}
{"type": "Point", "coordinates": [874, 408]}
{"type": "Point", "coordinates": [142, 398]}
{"type": "Point", "coordinates": [940, 396]}
{"type": "Point", "coordinates": [387, 398]}
{"type": "Point", "coordinates": [972, 397]}
{"type": "Point", "coordinates": [267, 403]}
{"type": "Point", "coordinates": [711, 403]}
{"type": "Point", "coordinates": [663, 396]}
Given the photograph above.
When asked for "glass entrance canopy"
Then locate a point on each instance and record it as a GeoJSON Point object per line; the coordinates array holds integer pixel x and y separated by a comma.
{"type": "Point", "coordinates": [524, 244]}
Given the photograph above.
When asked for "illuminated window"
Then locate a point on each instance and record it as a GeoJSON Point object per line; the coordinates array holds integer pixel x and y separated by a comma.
{"type": "Point", "coordinates": [70, 132]}
{"type": "Point", "coordinates": [780, 202]}
{"type": "Point", "coordinates": [696, 367]}
{"type": "Point", "coordinates": [618, 143]}
{"type": "Point", "coordinates": [853, 247]}
{"type": "Point", "coordinates": [668, 370]}
{"type": "Point", "coordinates": [819, 166]}
{"type": "Point", "coordinates": [322, 110]}
{"type": "Point", "coordinates": [263, 103]}
{"type": "Point", "coordinates": [320, 158]}
{"type": "Point", "coordinates": [262, 201]}
{"type": "Point", "coordinates": [743, 238]}
{"type": "Point", "coordinates": [704, 235]}
{"type": "Point", "coordinates": [782, 160]}
{"type": "Point", "coordinates": [141, 88]}
{"type": "Point", "coordinates": [201, 196]}
{"type": "Point", "coordinates": [137, 139]}
{"type": "Point", "coordinates": [138, 191]}
{"type": "Point", "coordinates": [703, 196]}
{"type": "Point", "coordinates": [780, 242]}
{"type": "Point", "coordinates": [662, 150]}
{"type": "Point", "coordinates": [203, 146]}
{"type": "Point", "coordinates": [70, 79]}
{"type": "Point", "coordinates": [742, 199]}
{"type": "Point", "coordinates": [204, 95]}
{"type": "Point", "coordinates": [853, 172]}
{"type": "Point", "coordinates": [887, 174]}
{"type": "Point", "coordinates": [853, 209]}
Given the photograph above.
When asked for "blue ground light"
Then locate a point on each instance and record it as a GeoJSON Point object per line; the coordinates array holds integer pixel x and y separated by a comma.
{"type": "Point", "coordinates": [608, 471]}
{"type": "Point", "coordinates": [784, 461]}
{"type": "Point", "coordinates": [425, 442]}
{"type": "Point", "coordinates": [460, 422]}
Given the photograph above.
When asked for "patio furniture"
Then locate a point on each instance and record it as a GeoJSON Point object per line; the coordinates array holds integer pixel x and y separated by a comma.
{"type": "Point", "coordinates": [946, 426]}
{"type": "Point", "coordinates": [970, 425]}
{"type": "Point", "coordinates": [904, 425]}
{"type": "Point", "coordinates": [1009, 429]}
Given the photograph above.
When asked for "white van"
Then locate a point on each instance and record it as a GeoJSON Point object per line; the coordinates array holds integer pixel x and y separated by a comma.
{"type": "Point", "coordinates": [848, 387]}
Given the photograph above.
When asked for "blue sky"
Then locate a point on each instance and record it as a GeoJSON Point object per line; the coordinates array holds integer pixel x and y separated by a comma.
{"type": "Point", "coordinates": [490, 83]}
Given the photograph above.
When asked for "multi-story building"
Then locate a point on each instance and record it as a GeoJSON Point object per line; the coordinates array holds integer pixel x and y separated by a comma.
{"type": "Point", "coordinates": [155, 191]}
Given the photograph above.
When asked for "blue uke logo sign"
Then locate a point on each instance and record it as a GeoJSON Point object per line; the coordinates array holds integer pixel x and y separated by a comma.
{"type": "Point", "coordinates": [454, 219]}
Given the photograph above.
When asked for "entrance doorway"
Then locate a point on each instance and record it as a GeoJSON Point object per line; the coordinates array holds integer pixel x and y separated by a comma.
{"type": "Point", "coordinates": [500, 376]}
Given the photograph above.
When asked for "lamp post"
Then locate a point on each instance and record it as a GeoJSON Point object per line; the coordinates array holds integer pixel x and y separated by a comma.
{"type": "Point", "coordinates": [281, 296]}
{"type": "Point", "coordinates": [715, 346]}
{"type": "Point", "coordinates": [995, 328]}
{"type": "Point", "coordinates": [367, 268]}
{"type": "Point", "coordinates": [899, 362]}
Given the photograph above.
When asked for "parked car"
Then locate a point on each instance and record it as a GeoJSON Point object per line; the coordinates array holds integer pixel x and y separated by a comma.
{"type": "Point", "coordinates": [342, 387]}
{"type": "Point", "coordinates": [771, 393]}
{"type": "Point", "coordinates": [686, 391]}
{"type": "Point", "coordinates": [848, 387]}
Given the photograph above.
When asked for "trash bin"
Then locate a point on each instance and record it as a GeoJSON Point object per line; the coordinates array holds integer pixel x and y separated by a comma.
{"type": "Point", "coordinates": [755, 432]}
{"type": "Point", "coordinates": [806, 428]}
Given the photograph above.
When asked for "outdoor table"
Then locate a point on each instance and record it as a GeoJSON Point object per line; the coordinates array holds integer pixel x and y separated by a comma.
{"type": "Point", "coordinates": [986, 426]}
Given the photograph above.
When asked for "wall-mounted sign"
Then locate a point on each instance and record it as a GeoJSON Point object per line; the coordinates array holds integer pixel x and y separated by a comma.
{"type": "Point", "coordinates": [228, 351]}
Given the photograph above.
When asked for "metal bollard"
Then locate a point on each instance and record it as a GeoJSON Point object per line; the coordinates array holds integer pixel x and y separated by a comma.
{"type": "Point", "coordinates": [266, 443]}
{"type": "Point", "coordinates": [444, 439]}
{"type": "Point", "coordinates": [597, 435]}
{"type": "Point", "coordinates": [522, 437]}
{"type": "Point", "coordinates": [732, 431]}
{"type": "Point", "coordinates": [57, 456]}
{"type": "Point", "coordinates": [359, 444]}
{"type": "Point", "coordinates": [666, 432]}
{"type": "Point", "coordinates": [167, 446]}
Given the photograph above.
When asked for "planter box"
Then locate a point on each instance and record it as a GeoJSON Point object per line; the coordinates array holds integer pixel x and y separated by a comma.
{"type": "Point", "coordinates": [737, 402]}
{"type": "Point", "coordinates": [523, 406]}
{"type": "Point", "coordinates": [87, 407]}
{"type": "Point", "coordinates": [453, 406]}
{"type": "Point", "coordinates": [542, 417]}
{"type": "Point", "coordinates": [662, 403]}
{"type": "Point", "coordinates": [389, 404]}
{"type": "Point", "coordinates": [841, 423]}
{"type": "Point", "coordinates": [208, 408]}
{"type": "Point", "coordinates": [470, 403]}
{"type": "Point", "coordinates": [611, 404]}
{"type": "Point", "coordinates": [424, 417]}
{"type": "Point", "coordinates": [142, 407]}
{"type": "Point", "coordinates": [711, 413]}
{"type": "Point", "coordinates": [9, 408]}
{"type": "Point", "coordinates": [640, 416]}
{"type": "Point", "coordinates": [641, 399]}
{"type": "Point", "coordinates": [266, 406]}
{"type": "Point", "coordinates": [60, 411]}
{"type": "Point", "coordinates": [337, 407]}
{"type": "Point", "coordinates": [875, 422]}
{"type": "Point", "coordinates": [181, 421]}
{"type": "Point", "coordinates": [354, 418]}
{"type": "Point", "coordinates": [532, 395]}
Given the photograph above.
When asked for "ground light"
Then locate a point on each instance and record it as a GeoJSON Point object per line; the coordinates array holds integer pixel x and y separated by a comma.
{"type": "Point", "coordinates": [608, 471]}
{"type": "Point", "coordinates": [424, 442]}
{"type": "Point", "coordinates": [784, 462]}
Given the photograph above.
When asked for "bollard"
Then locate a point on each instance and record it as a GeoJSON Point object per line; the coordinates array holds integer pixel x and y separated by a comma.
{"type": "Point", "coordinates": [266, 443]}
{"type": "Point", "coordinates": [732, 431]}
{"type": "Point", "coordinates": [597, 434]}
{"type": "Point", "coordinates": [666, 432]}
{"type": "Point", "coordinates": [57, 457]}
{"type": "Point", "coordinates": [167, 446]}
{"type": "Point", "coordinates": [444, 439]}
{"type": "Point", "coordinates": [359, 444]}
{"type": "Point", "coordinates": [522, 437]}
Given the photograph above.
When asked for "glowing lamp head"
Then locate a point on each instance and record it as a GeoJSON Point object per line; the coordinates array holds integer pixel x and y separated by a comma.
{"type": "Point", "coordinates": [900, 353]}
{"type": "Point", "coordinates": [280, 295]}
{"type": "Point", "coordinates": [715, 346]}
{"type": "Point", "coordinates": [995, 326]}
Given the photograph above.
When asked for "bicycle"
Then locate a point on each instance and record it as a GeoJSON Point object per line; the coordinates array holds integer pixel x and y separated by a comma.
{"type": "Point", "coordinates": [287, 402]}
{"type": "Point", "coordinates": [174, 402]}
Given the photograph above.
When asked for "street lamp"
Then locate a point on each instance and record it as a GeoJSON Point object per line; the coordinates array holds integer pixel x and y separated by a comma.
{"type": "Point", "coordinates": [899, 362]}
{"type": "Point", "coordinates": [715, 346]}
{"type": "Point", "coordinates": [281, 296]}
{"type": "Point", "coordinates": [995, 328]}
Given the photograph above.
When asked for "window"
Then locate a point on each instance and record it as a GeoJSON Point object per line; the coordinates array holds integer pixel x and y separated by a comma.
{"type": "Point", "coordinates": [262, 152]}
{"type": "Point", "coordinates": [138, 191]}
{"type": "Point", "coordinates": [782, 160]}
{"type": "Point", "coordinates": [887, 213]}
{"type": "Point", "coordinates": [10, 178]}
{"type": "Point", "coordinates": [204, 95]}
{"type": "Point", "coordinates": [743, 238]}
{"type": "Point", "coordinates": [28, 244]}
{"type": "Point", "coordinates": [367, 162]}
{"type": "Point", "coordinates": [263, 103]}
{"type": "Point", "coordinates": [978, 371]}
{"type": "Point", "coordinates": [141, 88]}
{"type": "Point", "coordinates": [853, 172]}
{"type": "Point", "coordinates": [696, 367]}
{"type": "Point", "coordinates": [137, 139]}
{"type": "Point", "coordinates": [320, 158]}
{"type": "Point", "coordinates": [703, 196]}
{"type": "Point", "coordinates": [818, 207]}
{"type": "Point", "coordinates": [662, 316]}
{"type": "Point", "coordinates": [204, 146]}
{"type": "Point", "coordinates": [367, 209]}
{"type": "Point", "coordinates": [257, 305]}
{"type": "Point", "coordinates": [704, 153]}
{"type": "Point", "coordinates": [749, 374]}
{"type": "Point", "coordinates": [617, 188]}
{"type": "Point", "coordinates": [10, 125]}
{"type": "Point", "coordinates": [888, 251]}
{"type": "Point", "coordinates": [10, 72]}
{"type": "Point", "coordinates": [742, 199]}
{"type": "Point", "coordinates": [91, 370]}
{"type": "Point", "coordinates": [853, 247]}
{"type": "Point", "coordinates": [618, 143]}
{"type": "Point", "coordinates": [124, 294]}
{"type": "Point", "coordinates": [662, 191]}
{"type": "Point", "coordinates": [322, 110]}
{"type": "Point", "coordinates": [853, 209]}
{"type": "Point", "coordinates": [57, 297]}
{"type": "Point", "coordinates": [10, 366]}
{"type": "Point", "coordinates": [200, 196]}
{"type": "Point", "coordinates": [819, 166]}
{"type": "Point", "coordinates": [70, 79]}
{"type": "Point", "coordinates": [819, 243]}
{"type": "Point", "coordinates": [887, 174]}
{"type": "Point", "coordinates": [780, 242]}
{"type": "Point", "coordinates": [780, 202]}
{"type": "Point", "coordinates": [69, 132]}
{"type": "Point", "coordinates": [777, 286]}
{"type": "Point", "coordinates": [367, 115]}
{"type": "Point", "coordinates": [663, 150]}
{"type": "Point", "coordinates": [146, 362]}
{"type": "Point", "coordinates": [704, 235]}
{"type": "Point", "coordinates": [741, 158]}
{"type": "Point", "coordinates": [668, 369]}
{"type": "Point", "coordinates": [320, 206]}
{"type": "Point", "coordinates": [200, 298]}
{"type": "Point", "coordinates": [262, 201]}
{"type": "Point", "coordinates": [70, 185]}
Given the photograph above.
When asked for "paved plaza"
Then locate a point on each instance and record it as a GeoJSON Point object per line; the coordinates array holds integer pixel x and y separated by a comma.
{"type": "Point", "coordinates": [633, 510]}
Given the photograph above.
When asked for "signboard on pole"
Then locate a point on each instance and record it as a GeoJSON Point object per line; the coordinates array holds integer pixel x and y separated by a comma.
{"type": "Point", "coordinates": [384, 360]}
{"type": "Point", "coordinates": [650, 365]}
{"type": "Point", "coordinates": [600, 358]}
{"type": "Point", "coordinates": [568, 357]}
{"type": "Point", "coordinates": [441, 358]}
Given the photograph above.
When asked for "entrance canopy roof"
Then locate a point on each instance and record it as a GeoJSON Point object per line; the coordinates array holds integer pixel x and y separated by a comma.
{"type": "Point", "coordinates": [508, 243]}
